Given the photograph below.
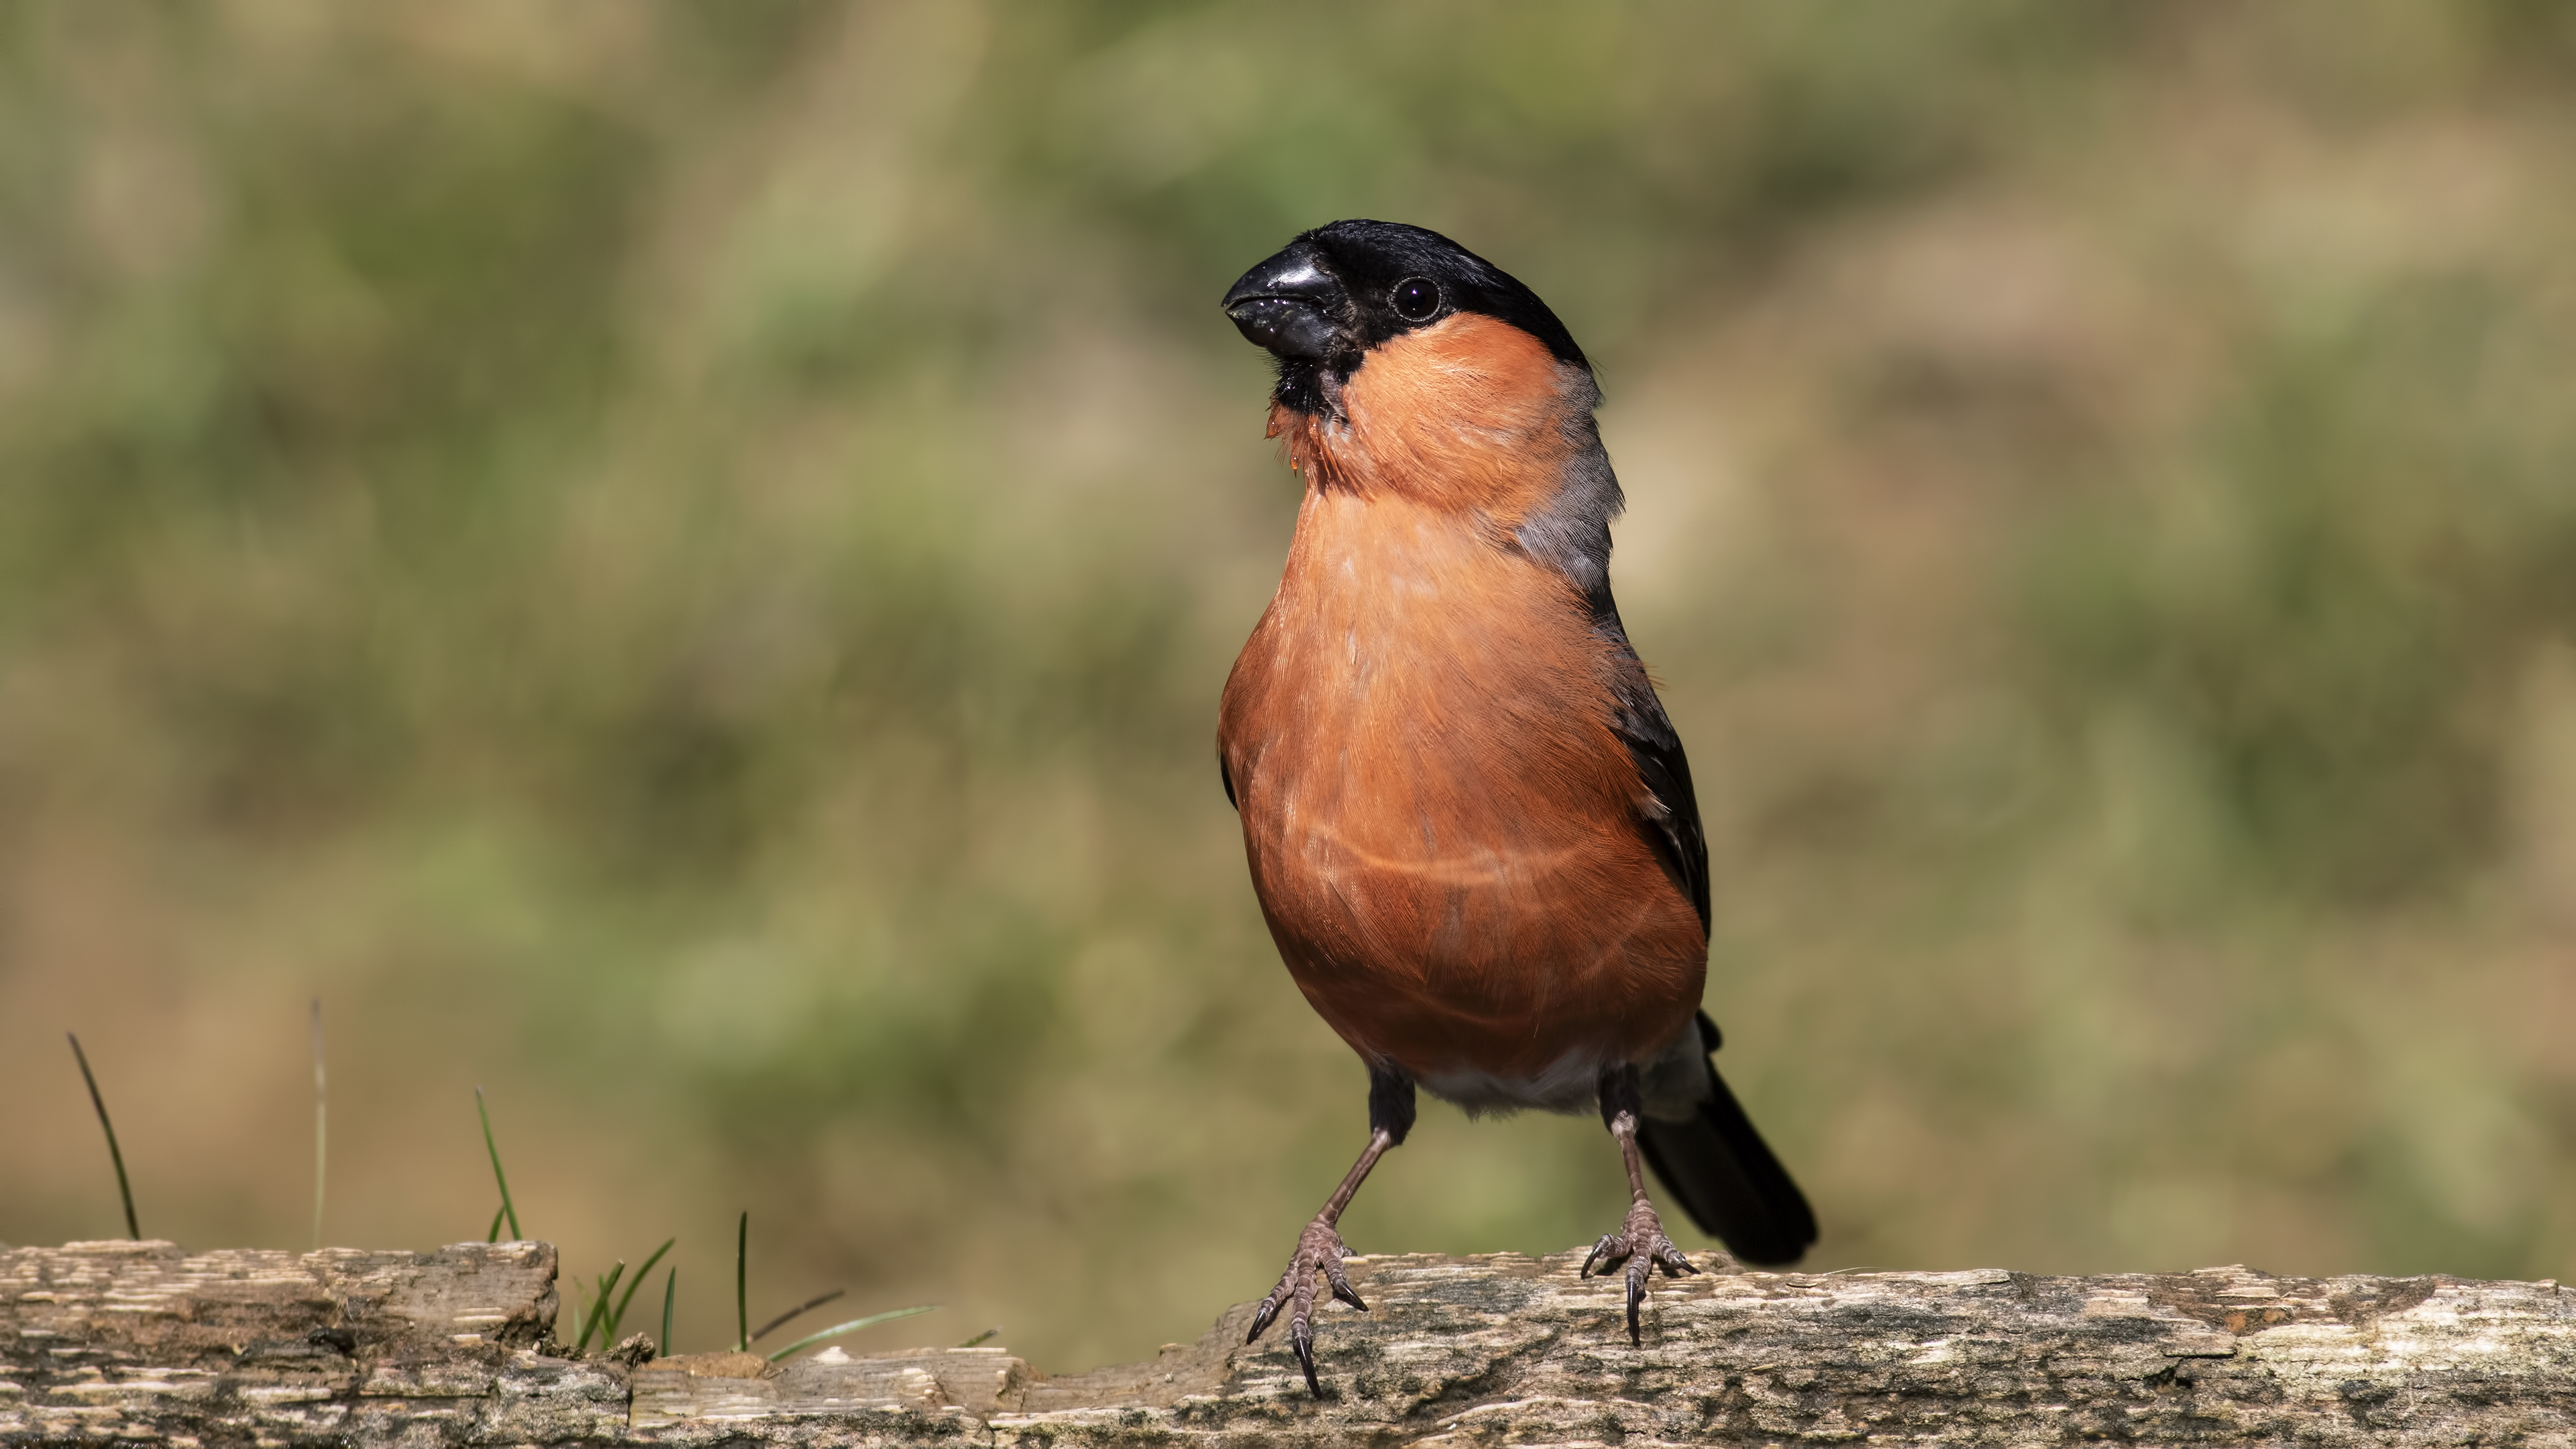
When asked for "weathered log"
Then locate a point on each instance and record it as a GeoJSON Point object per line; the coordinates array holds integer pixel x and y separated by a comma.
{"type": "Point", "coordinates": [144, 1344]}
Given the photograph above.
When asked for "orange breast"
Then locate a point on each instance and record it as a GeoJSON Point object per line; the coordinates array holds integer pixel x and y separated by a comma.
{"type": "Point", "coordinates": [1441, 824]}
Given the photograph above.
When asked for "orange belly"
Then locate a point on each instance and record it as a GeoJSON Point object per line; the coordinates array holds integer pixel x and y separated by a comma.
{"type": "Point", "coordinates": [1442, 826]}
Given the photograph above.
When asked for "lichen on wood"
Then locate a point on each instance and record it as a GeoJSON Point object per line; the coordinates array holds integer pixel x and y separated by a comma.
{"type": "Point", "coordinates": [144, 1344]}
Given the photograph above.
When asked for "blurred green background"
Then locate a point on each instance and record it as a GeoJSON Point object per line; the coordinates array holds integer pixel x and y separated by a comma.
{"type": "Point", "coordinates": [676, 562]}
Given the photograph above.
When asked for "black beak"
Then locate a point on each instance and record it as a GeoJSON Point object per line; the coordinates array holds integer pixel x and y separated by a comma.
{"type": "Point", "coordinates": [1287, 305]}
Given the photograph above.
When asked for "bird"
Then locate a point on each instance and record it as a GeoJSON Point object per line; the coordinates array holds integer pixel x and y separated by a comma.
{"type": "Point", "coordinates": [1468, 820]}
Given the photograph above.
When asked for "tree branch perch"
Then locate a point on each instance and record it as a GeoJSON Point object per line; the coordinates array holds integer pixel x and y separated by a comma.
{"type": "Point", "coordinates": [143, 1344]}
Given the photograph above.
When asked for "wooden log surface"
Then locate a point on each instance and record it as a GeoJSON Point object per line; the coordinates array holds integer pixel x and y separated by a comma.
{"type": "Point", "coordinates": [146, 1344]}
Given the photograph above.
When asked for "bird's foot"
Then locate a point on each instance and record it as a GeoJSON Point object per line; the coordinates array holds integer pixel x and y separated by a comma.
{"type": "Point", "coordinates": [1319, 1250]}
{"type": "Point", "coordinates": [1640, 1243]}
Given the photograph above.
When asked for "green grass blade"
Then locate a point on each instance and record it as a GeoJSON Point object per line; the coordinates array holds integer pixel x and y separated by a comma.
{"type": "Point", "coordinates": [670, 1290]}
{"type": "Point", "coordinates": [618, 1318]}
{"type": "Point", "coordinates": [321, 1126]}
{"type": "Point", "coordinates": [494, 1236]}
{"type": "Point", "coordinates": [853, 1326]}
{"type": "Point", "coordinates": [498, 1176]}
{"type": "Point", "coordinates": [742, 1284]}
{"type": "Point", "coordinates": [979, 1339]}
{"type": "Point", "coordinates": [800, 1310]}
{"type": "Point", "coordinates": [115, 1154]}
{"type": "Point", "coordinates": [599, 1319]}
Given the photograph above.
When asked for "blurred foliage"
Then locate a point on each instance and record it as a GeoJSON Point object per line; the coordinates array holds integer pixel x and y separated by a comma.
{"type": "Point", "coordinates": [676, 561]}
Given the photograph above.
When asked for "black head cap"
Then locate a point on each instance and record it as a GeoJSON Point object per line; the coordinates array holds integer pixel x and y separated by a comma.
{"type": "Point", "coordinates": [1339, 290]}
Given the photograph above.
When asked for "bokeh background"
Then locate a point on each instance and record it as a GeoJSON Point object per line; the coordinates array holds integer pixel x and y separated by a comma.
{"type": "Point", "coordinates": [675, 562]}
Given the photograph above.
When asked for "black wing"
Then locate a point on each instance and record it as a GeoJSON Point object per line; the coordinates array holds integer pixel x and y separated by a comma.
{"type": "Point", "coordinates": [1572, 535]}
{"type": "Point", "coordinates": [1673, 833]}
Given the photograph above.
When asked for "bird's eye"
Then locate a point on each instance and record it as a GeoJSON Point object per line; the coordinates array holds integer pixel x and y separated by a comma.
{"type": "Point", "coordinates": [1415, 299]}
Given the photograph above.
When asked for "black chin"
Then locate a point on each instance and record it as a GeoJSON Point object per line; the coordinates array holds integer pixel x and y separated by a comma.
{"type": "Point", "coordinates": [1301, 386]}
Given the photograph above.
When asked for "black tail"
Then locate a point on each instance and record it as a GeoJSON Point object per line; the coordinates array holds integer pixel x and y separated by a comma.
{"type": "Point", "coordinates": [1723, 1174]}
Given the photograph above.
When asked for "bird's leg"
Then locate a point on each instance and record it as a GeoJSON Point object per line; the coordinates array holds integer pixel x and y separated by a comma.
{"type": "Point", "coordinates": [1319, 1246]}
{"type": "Point", "coordinates": [1319, 1250]}
{"type": "Point", "coordinates": [1640, 1241]}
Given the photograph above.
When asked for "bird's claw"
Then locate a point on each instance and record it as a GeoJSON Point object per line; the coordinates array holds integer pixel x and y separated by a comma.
{"type": "Point", "coordinates": [1641, 1244]}
{"type": "Point", "coordinates": [1319, 1250]}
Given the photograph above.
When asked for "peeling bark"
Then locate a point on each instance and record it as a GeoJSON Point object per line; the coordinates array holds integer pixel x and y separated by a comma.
{"type": "Point", "coordinates": [143, 1344]}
